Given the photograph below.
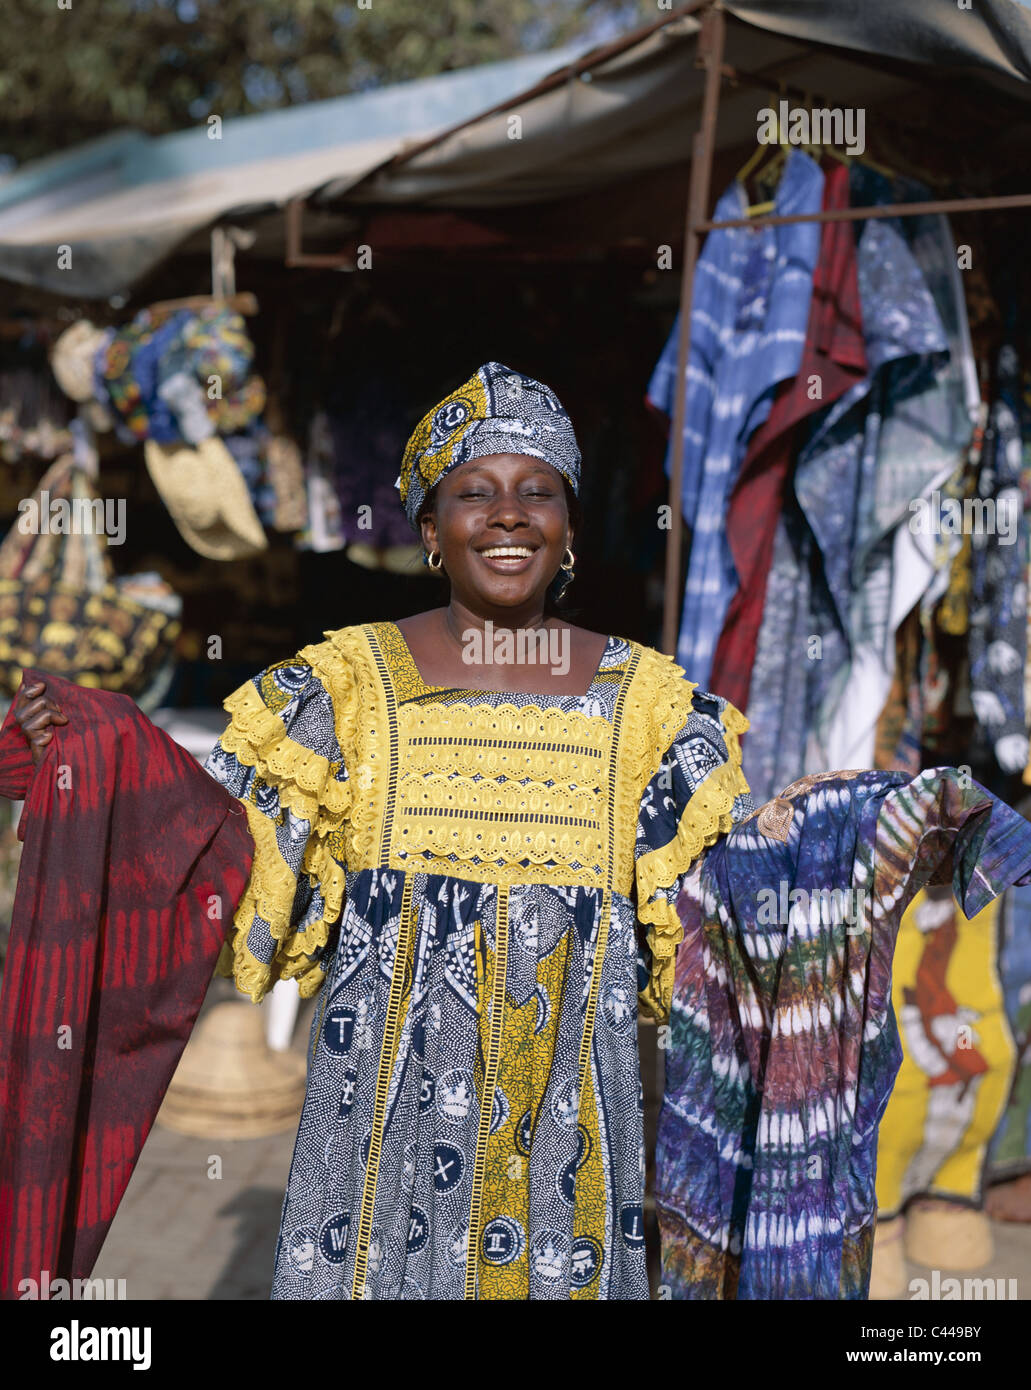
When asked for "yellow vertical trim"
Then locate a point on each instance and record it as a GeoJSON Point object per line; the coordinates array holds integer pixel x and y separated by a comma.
{"type": "Point", "coordinates": [388, 1052]}
{"type": "Point", "coordinates": [592, 998]}
{"type": "Point", "coordinates": [490, 1080]}
{"type": "Point", "coordinates": [585, 1059]}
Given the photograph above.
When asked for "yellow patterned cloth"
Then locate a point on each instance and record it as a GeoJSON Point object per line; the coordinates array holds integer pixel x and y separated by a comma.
{"type": "Point", "coordinates": [462, 873]}
{"type": "Point", "coordinates": [958, 1054]}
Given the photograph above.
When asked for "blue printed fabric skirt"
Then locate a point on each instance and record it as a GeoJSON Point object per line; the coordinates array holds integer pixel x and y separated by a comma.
{"type": "Point", "coordinates": [472, 1126]}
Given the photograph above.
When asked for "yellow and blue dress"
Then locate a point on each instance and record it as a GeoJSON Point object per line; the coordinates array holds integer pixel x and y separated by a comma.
{"type": "Point", "coordinates": [459, 875]}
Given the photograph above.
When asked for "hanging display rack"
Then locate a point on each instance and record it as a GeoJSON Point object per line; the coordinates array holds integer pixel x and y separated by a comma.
{"type": "Point", "coordinates": [711, 46]}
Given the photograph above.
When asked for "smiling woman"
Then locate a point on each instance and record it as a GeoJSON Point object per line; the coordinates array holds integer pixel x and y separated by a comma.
{"type": "Point", "coordinates": [505, 511]}
{"type": "Point", "coordinates": [457, 850]}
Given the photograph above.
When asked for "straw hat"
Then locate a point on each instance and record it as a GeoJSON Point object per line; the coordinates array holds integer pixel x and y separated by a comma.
{"type": "Point", "coordinates": [229, 1084]}
{"type": "Point", "coordinates": [71, 359]}
{"type": "Point", "coordinates": [207, 497]}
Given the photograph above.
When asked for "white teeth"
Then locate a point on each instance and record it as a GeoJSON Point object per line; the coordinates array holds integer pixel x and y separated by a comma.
{"type": "Point", "coordinates": [507, 552]}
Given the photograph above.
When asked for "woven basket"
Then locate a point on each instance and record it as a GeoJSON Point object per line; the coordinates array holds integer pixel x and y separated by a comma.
{"type": "Point", "coordinates": [61, 609]}
{"type": "Point", "coordinates": [229, 1083]}
{"type": "Point", "coordinates": [943, 1235]}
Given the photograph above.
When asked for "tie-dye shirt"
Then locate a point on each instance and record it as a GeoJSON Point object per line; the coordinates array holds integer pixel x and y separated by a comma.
{"type": "Point", "coordinates": [783, 1046]}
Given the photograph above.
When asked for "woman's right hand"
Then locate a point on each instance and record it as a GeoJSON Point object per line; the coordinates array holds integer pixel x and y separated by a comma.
{"type": "Point", "coordinates": [35, 711]}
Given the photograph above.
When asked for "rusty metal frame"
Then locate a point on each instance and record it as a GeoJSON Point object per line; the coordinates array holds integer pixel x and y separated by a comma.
{"type": "Point", "coordinates": [295, 257]}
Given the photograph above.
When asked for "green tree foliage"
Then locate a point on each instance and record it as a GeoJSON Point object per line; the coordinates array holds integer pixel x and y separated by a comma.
{"type": "Point", "coordinates": [76, 69]}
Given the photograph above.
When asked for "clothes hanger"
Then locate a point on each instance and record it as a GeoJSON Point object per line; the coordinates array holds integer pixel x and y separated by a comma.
{"type": "Point", "coordinates": [774, 162]}
{"type": "Point", "coordinates": [850, 159]}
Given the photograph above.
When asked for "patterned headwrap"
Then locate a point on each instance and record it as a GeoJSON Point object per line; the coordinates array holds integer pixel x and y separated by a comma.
{"type": "Point", "coordinates": [497, 411]}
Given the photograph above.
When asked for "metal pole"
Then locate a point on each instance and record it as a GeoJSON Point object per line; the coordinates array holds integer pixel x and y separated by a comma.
{"type": "Point", "coordinates": [1002, 201]}
{"type": "Point", "coordinates": [711, 42]}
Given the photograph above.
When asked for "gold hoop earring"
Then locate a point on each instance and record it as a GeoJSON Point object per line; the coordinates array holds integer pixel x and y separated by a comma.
{"type": "Point", "coordinates": [440, 561]}
{"type": "Point", "coordinates": [572, 559]}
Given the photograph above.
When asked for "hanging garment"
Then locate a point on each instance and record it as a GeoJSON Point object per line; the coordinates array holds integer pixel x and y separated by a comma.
{"type": "Point", "coordinates": [325, 529]}
{"type": "Point", "coordinates": [750, 305]}
{"type": "Point", "coordinates": [249, 449]}
{"type": "Point", "coordinates": [1009, 1154]}
{"type": "Point", "coordinates": [156, 375]}
{"type": "Point", "coordinates": [897, 745]}
{"type": "Point", "coordinates": [999, 547]}
{"type": "Point", "coordinates": [921, 723]}
{"type": "Point", "coordinates": [369, 429]}
{"type": "Point", "coordinates": [133, 863]}
{"type": "Point", "coordinates": [825, 533]}
{"type": "Point", "coordinates": [833, 361]}
{"type": "Point", "coordinates": [981, 589]}
{"type": "Point", "coordinates": [462, 873]}
{"type": "Point", "coordinates": [957, 1055]}
{"type": "Point", "coordinates": [919, 424]}
{"type": "Point", "coordinates": [783, 1046]}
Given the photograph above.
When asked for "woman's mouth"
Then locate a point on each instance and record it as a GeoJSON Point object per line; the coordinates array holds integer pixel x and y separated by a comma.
{"type": "Point", "coordinates": [507, 559]}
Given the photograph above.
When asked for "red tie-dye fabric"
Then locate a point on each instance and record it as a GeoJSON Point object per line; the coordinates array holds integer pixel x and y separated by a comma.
{"type": "Point", "coordinates": [134, 859]}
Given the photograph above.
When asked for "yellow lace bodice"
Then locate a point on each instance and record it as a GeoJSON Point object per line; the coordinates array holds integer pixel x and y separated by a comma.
{"type": "Point", "coordinates": [459, 787]}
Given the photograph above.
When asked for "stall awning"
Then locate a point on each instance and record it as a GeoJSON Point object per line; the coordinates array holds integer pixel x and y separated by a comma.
{"type": "Point", "coordinates": [122, 203]}
{"type": "Point", "coordinates": [537, 129]}
{"type": "Point", "coordinates": [636, 106]}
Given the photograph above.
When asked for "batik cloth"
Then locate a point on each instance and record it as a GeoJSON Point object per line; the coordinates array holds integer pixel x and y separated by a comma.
{"type": "Point", "coordinates": [999, 546]}
{"type": "Point", "coordinates": [958, 1054]}
{"type": "Point", "coordinates": [157, 375]}
{"type": "Point", "coordinates": [462, 874]}
{"type": "Point", "coordinates": [132, 865]}
{"type": "Point", "coordinates": [783, 1046]}
{"type": "Point", "coordinates": [834, 359]}
{"type": "Point", "coordinates": [828, 533]}
{"type": "Point", "coordinates": [249, 449]}
{"type": "Point", "coordinates": [917, 429]}
{"type": "Point", "coordinates": [749, 309]}
{"type": "Point", "coordinates": [497, 411]}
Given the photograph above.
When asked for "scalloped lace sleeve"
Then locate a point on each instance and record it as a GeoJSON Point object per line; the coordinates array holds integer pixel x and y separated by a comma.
{"type": "Point", "coordinates": [698, 793]}
{"type": "Point", "coordinates": [281, 757]}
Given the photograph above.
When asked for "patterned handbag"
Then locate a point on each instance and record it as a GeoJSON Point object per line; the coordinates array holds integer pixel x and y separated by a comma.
{"type": "Point", "coordinates": [62, 609]}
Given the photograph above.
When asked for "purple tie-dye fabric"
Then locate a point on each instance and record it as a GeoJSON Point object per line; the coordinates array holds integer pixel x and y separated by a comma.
{"type": "Point", "coordinates": [783, 1047]}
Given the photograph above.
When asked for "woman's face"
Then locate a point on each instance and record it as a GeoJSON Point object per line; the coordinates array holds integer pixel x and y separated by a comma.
{"type": "Point", "coordinates": [501, 525]}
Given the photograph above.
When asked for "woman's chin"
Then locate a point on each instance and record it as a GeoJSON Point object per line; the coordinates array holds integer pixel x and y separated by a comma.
{"type": "Point", "coordinates": [513, 592]}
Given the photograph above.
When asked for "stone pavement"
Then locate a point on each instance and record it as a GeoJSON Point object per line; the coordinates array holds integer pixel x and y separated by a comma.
{"type": "Point", "coordinates": [181, 1234]}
